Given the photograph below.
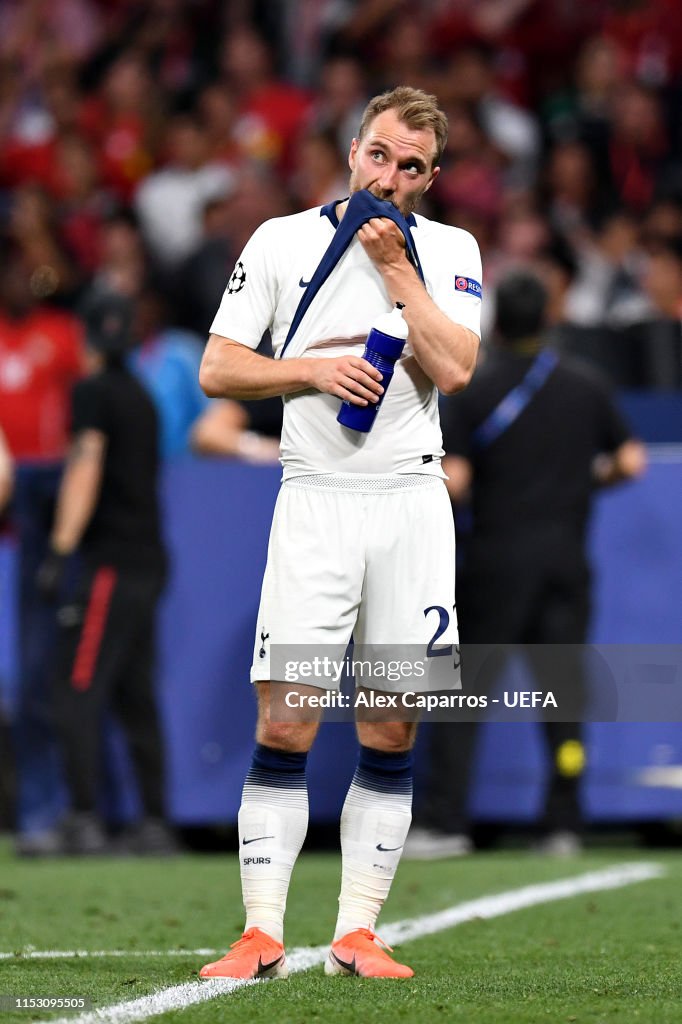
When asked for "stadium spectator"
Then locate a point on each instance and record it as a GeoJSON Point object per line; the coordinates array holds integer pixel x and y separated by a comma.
{"type": "Point", "coordinates": [556, 266]}
{"type": "Point", "coordinates": [663, 223]}
{"type": "Point", "coordinates": [40, 359]}
{"type": "Point", "coordinates": [227, 222]}
{"type": "Point", "coordinates": [606, 291]}
{"type": "Point", "coordinates": [531, 468]}
{"type": "Point", "coordinates": [583, 111]}
{"type": "Point", "coordinates": [124, 260]}
{"type": "Point", "coordinates": [28, 152]}
{"type": "Point", "coordinates": [663, 278]}
{"type": "Point", "coordinates": [227, 428]}
{"type": "Point", "coordinates": [166, 360]}
{"type": "Point", "coordinates": [122, 120]}
{"type": "Point", "coordinates": [173, 39]}
{"type": "Point", "coordinates": [404, 52]}
{"type": "Point", "coordinates": [200, 279]}
{"type": "Point", "coordinates": [471, 184]}
{"type": "Point", "coordinates": [301, 33]}
{"type": "Point", "coordinates": [107, 510]}
{"type": "Point", "coordinates": [218, 113]}
{"type": "Point", "coordinates": [184, 186]}
{"type": "Point", "coordinates": [272, 113]}
{"type": "Point", "coordinates": [638, 146]}
{"type": "Point", "coordinates": [515, 132]}
{"type": "Point", "coordinates": [365, 28]}
{"type": "Point", "coordinates": [458, 22]}
{"type": "Point", "coordinates": [32, 29]}
{"type": "Point", "coordinates": [647, 34]}
{"type": "Point", "coordinates": [320, 172]}
{"type": "Point", "coordinates": [340, 99]}
{"type": "Point", "coordinates": [33, 228]}
{"type": "Point", "coordinates": [258, 195]}
{"type": "Point", "coordinates": [662, 281]}
{"type": "Point", "coordinates": [81, 206]}
{"type": "Point", "coordinates": [247, 430]}
{"type": "Point", "coordinates": [571, 186]}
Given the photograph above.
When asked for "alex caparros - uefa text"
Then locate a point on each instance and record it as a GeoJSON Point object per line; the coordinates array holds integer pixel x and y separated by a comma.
{"type": "Point", "coordinates": [422, 701]}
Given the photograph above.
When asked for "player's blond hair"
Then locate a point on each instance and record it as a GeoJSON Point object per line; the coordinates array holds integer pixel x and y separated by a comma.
{"type": "Point", "coordinates": [415, 108]}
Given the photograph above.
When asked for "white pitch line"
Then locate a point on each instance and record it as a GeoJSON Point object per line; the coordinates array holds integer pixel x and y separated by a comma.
{"type": "Point", "coordinates": [179, 997]}
{"type": "Point", "coordinates": [518, 899]}
{"type": "Point", "coordinates": [74, 954]}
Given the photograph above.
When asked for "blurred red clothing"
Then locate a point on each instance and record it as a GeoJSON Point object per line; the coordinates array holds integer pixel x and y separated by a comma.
{"type": "Point", "coordinates": [41, 357]}
{"type": "Point", "coordinates": [649, 35]}
{"type": "Point", "coordinates": [27, 162]}
{"type": "Point", "coordinates": [81, 230]}
{"type": "Point", "coordinates": [271, 122]}
{"type": "Point", "coordinates": [121, 140]}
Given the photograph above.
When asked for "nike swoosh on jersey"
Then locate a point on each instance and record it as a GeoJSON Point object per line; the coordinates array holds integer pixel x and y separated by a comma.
{"type": "Point", "coordinates": [303, 284]}
{"type": "Point", "coordinates": [388, 849]}
{"type": "Point", "coordinates": [256, 839]}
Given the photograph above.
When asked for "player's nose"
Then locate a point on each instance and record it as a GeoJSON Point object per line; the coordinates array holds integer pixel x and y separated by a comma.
{"type": "Point", "coordinates": [389, 178]}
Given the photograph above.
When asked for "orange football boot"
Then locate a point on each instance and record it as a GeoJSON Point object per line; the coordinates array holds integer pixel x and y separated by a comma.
{"type": "Point", "coordinates": [358, 953]}
{"type": "Point", "coordinates": [255, 955]}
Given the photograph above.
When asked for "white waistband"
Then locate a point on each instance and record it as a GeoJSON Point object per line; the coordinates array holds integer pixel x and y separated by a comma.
{"type": "Point", "coordinates": [363, 482]}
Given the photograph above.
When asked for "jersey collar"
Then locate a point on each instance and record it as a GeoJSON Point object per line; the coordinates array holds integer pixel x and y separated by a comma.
{"type": "Point", "coordinates": [329, 211]}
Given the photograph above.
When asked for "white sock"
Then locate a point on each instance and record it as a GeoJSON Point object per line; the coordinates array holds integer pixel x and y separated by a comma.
{"type": "Point", "coordinates": [374, 825]}
{"type": "Point", "coordinates": [273, 821]}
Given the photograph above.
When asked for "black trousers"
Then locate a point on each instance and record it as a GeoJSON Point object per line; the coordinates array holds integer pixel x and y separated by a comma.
{"type": "Point", "coordinates": [105, 663]}
{"type": "Point", "coordinates": [527, 592]}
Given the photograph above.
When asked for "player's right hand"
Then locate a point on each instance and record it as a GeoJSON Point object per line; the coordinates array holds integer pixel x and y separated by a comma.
{"type": "Point", "coordinates": [350, 378]}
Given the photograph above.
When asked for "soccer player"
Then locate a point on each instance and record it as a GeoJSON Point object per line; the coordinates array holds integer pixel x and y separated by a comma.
{"type": "Point", "coordinates": [362, 539]}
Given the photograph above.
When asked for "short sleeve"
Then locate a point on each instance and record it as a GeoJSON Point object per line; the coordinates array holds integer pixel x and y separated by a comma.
{"type": "Point", "coordinates": [88, 407]}
{"type": "Point", "coordinates": [248, 304]}
{"type": "Point", "coordinates": [455, 276]}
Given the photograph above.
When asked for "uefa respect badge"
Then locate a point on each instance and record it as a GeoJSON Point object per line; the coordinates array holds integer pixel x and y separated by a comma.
{"type": "Point", "coordinates": [467, 284]}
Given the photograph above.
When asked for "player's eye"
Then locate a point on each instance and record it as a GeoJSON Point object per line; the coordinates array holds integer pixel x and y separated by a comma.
{"type": "Point", "coordinates": [377, 155]}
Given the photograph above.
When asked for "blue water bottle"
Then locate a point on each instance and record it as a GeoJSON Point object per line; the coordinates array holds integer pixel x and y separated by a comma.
{"type": "Point", "coordinates": [384, 346]}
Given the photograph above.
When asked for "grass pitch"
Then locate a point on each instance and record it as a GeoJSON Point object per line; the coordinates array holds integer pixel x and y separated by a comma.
{"type": "Point", "coordinates": [613, 956]}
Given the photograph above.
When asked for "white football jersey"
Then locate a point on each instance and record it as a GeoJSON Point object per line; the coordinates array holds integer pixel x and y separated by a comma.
{"type": "Point", "coordinates": [263, 294]}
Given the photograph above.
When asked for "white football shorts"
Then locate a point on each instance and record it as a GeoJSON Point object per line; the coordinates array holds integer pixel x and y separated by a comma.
{"type": "Point", "coordinates": [367, 556]}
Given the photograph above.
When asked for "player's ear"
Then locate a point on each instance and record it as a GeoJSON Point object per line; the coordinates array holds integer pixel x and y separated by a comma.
{"type": "Point", "coordinates": [434, 174]}
{"type": "Point", "coordinates": [351, 155]}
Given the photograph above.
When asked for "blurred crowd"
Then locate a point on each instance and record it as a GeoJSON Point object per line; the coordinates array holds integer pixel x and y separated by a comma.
{"type": "Point", "coordinates": [141, 143]}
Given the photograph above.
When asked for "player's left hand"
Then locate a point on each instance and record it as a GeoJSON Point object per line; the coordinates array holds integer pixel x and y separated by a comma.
{"type": "Point", "coordinates": [383, 241]}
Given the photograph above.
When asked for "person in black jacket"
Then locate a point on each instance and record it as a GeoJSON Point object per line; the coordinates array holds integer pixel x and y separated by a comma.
{"type": "Point", "coordinates": [108, 512]}
{"type": "Point", "coordinates": [529, 441]}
